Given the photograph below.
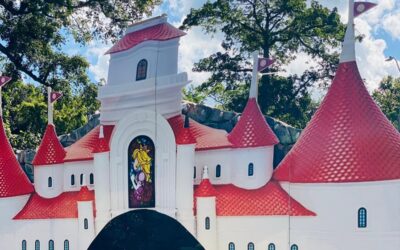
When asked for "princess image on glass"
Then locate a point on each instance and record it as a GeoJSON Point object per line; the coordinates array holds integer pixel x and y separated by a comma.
{"type": "Point", "coordinates": [141, 173]}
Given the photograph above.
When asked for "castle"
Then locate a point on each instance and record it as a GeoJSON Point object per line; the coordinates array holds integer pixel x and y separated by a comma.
{"type": "Point", "coordinates": [337, 189]}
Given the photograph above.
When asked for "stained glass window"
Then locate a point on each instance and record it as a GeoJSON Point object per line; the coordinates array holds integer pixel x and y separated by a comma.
{"type": "Point", "coordinates": [141, 71]}
{"type": "Point", "coordinates": [362, 218]}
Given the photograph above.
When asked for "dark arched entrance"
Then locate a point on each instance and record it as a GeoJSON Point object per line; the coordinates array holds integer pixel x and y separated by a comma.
{"type": "Point", "coordinates": [144, 230]}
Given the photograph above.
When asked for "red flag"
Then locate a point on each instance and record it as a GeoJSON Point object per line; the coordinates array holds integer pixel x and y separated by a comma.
{"type": "Point", "coordinates": [4, 80]}
{"type": "Point", "coordinates": [264, 63]}
{"type": "Point", "coordinates": [54, 96]}
{"type": "Point", "coordinates": [361, 7]}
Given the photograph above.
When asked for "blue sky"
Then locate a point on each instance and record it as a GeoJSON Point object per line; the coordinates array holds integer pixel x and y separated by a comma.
{"type": "Point", "coordinates": [381, 27]}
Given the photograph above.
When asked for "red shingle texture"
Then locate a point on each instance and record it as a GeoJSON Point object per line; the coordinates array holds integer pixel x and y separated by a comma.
{"type": "Point", "coordinates": [13, 180]}
{"type": "Point", "coordinates": [348, 139]}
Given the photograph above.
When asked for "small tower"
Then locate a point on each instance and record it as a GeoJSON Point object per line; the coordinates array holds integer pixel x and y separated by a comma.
{"type": "Point", "coordinates": [253, 142]}
{"type": "Point", "coordinates": [101, 164]}
{"type": "Point", "coordinates": [15, 186]}
{"type": "Point", "coordinates": [48, 161]}
{"type": "Point", "coordinates": [86, 230]}
{"type": "Point", "coordinates": [184, 175]}
{"type": "Point", "coordinates": [206, 213]}
{"type": "Point", "coordinates": [143, 72]}
{"type": "Point", "coordinates": [49, 158]}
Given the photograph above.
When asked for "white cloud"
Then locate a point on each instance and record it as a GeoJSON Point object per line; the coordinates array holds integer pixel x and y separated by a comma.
{"type": "Point", "coordinates": [99, 65]}
{"type": "Point", "coordinates": [391, 24]}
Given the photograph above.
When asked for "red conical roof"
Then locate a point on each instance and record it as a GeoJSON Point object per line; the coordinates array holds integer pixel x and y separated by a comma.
{"type": "Point", "coordinates": [205, 189]}
{"type": "Point", "coordinates": [50, 150]}
{"type": "Point", "coordinates": [252, 130]}
{"type": "Point", "coordinates": [348, 139]}
{"type": "Point", "coordinates": [13, 181]}
{"type": "Point", "coordinates": [85, 194]}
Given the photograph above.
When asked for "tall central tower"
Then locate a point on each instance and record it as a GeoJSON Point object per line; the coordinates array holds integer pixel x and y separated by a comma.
{"type": "Point", "coordinates": [143, 72]}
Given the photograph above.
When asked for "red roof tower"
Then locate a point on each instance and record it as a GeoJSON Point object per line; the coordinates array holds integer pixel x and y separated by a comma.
{"type": "Point", "coordinates": [50, 150]}
{"type": "Point", "coordinates": [13, 180]}
{"type": "Point", "coordinates": [252, 130]}
{"type": "Point", "coordinates": [348, 139]}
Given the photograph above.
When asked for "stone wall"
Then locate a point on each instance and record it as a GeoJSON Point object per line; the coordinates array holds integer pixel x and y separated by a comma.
{"type": "Point", "coordinates": [203, 114]}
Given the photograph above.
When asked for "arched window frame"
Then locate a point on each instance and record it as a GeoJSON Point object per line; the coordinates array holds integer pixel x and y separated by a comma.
{"type": "Point", "coordinates": [51, 245]}
{"type": "Point", "coordinates": [362, 217]}
{"type": "Point", "coordinates": [66, 244]}
{"type": "Point", "coordinates": [91, 179]}
{"type": "Point", "coordinates": [37, 245]}
{"type": "Point", "coordinates": [141, 70]}
{"type": "Point", "coordinates": [271, 246]}
{"type": "Point", "coordinates": [72, 180]}
{"type": "Point", "coordinates": [85, 224]}
{"type": "Point", "coordinates": [50, 182]}
{"type": "Point", "coordinates": [231, 246]}
{"type": "Point", "coordinates": [250, 169]}
{"type": "Point", "coordinates": [250, 246]}
{"type": "Point", "coordinates": [23, 245]}
{"type": "Point", "coordinates": [218, 171]}
{"type": "Point", "coordinates": [294, 247]}
{"type": "Point", "coordinates": [207, 223]}
{"type": "Point", "coordinates": [81, 179]}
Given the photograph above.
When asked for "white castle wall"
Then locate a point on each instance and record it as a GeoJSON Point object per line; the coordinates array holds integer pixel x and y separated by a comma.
{"type": "Point", "coordinates": [260, 230]}
{"type": "Point", "coordinates": [41, 176]}
{"type": "Point", "coordinates": [85, 168]}
{"type": "Point", "coordinates": [102, 189]}
{"type": "Point", "coordinates": [234, 166]}
{"type": "Point", "coordinates": [9, 207]}
{"type": "Point", "coordinates": [262, 160]}
{"type": "Point", "coordinates": [184, 186]}
{"type": "Point", "coordinates": [161, 56]}
{"type": "Point", "coordinates": [336, 223]}
{"type": "Point", "coordinates": [57, 230]}
{"type": "Point", "coordinates": [211, 158]}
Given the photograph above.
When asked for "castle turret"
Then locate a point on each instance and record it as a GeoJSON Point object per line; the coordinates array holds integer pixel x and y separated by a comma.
{"type": "Point", "coordinates": [15, 186]}
{"type": "Point", "coordinates": [206, 217]}
{"type": "Point", "coordinates": [86, 230]}
{"type": "Point", "coordinates": [143, 72]}
{"type": "Point", "coordinates": [48, 162]}
{"type": "Point", "coordinates": [101, 164]}
{"type": "Point", "coordinates": [253, 142]}
{"type": "Point", "coordinates": [184, 174]}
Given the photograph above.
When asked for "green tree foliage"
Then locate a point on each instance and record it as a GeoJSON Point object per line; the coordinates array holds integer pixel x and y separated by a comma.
{"type": "Point", "coordinates": [388, 98]}
{"type": "Point", "coordinates": [280, 29]}
{"type": "Point", "coordinates": [33, 33]}
{"type": "Point", "coordinates": [25, 112]}
{"type": "Point", "coordinates": [33, 36]}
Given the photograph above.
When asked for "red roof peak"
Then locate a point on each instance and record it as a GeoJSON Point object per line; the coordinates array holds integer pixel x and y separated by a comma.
{"type": "Point", "coordinates": [159, 32]}
{"type": "Point", "coordinates": [348, 139]}
{"type": "Point", "coordinates": [102, 145]}
{"type": "Point", "coordinates": [13, 180]}
{"type": "Point", "coordinates": [85, 194]}
{"type": "Point", "coordinates": [183, 135]}
{"type": "Point", "coordinates": [83, 149]}
{"type": "Point", "coordinates": [50, 150]}
{"type": "Point", "coordinates": [205, 189]}
{"type": "Point", "coordinates": [252, 130]}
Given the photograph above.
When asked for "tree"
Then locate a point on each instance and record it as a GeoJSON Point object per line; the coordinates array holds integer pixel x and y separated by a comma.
{"type": "Point", "coordinates": [388, 98]}
{"type": "Point", "coordinates": [25, 112]}
{"type": "Point", "coordinates": [33, 33]}
{"type": "Point", "coordinates": [280, 29]}
{"type": "Point", "coordinates": [33, 36]}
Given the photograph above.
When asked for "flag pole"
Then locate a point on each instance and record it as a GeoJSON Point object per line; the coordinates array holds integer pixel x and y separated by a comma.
{"type": "Point", "coordinates": [50, 107]}
{"type": "Point", "coordinates": [254, 80]}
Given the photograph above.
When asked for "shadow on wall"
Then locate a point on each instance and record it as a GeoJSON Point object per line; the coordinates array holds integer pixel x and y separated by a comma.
{"type": "Point", "coordinates": [144, 230]}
